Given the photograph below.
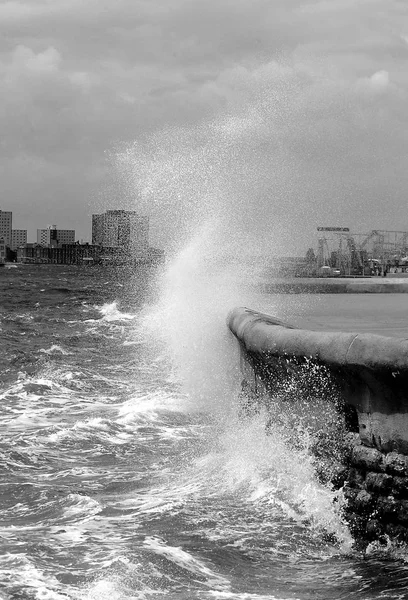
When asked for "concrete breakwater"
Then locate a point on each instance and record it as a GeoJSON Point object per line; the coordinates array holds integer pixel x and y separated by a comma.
{"type": "Point", "coordinates": [342, 285]}
{"type": "Point", "coordinates": [357, 384]}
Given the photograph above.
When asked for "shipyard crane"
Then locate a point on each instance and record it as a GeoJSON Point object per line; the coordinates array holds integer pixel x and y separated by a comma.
{"type": "Point", "coordinates": [404, 241]}
{"type": "Point", "coordinates": [355, 254]}
{"type": "Point", "coordinates": [374, 233]}
{"type": "Point", "coordinates": [323, 253]}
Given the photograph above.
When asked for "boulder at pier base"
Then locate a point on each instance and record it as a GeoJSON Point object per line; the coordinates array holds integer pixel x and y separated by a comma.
{"type": "Point", "coordinates": [366, 377]}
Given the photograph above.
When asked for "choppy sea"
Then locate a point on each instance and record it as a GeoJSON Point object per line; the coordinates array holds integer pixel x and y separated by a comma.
{"type": "Point", "coordinates": [128, 470]}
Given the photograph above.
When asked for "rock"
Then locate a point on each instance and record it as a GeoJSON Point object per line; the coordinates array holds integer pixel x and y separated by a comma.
{"type": "Point", "coordinates": [357, 525]}
{"type": "Point", "coordinates": [350, 495]}
{"type": "Point", "coordinates": [380, 483]}
{"type": "Point", "coordinates": [364, 501]}
{"type": "Point", "coordinates": [399, 486]}
{"type": "Point", "coordinates": [397, 532]}
{"type": "Point", "coordinates": [374, 529]}
{"type": "Point", "coordinates": [403, 511]}
{"type": "Point", "coordinates": [387, 508]}
{"type": "Point", "coordinates": [355, 478]}
{"type": "Point", "coordinates": [396, 463]}
{"type": "Point", "coordinates": [368, 458]}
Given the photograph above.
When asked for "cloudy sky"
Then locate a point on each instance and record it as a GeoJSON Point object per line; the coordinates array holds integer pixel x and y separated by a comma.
{"type": "Point", "coordinates": [272, 116]}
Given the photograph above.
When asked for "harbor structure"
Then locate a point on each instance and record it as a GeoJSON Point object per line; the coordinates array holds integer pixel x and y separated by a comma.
{"type": "Point", "coordinates": [85, 254]}
{"type": "Point", "coordinates": [361, 254]}
{"type": "Point", "coordinates": [354, 387]}
{"type": "Point", "coordinates": [71, 254]}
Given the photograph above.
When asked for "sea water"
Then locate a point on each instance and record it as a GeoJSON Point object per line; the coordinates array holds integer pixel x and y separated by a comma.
{"type": "Point", "coordinates": [127, 468]}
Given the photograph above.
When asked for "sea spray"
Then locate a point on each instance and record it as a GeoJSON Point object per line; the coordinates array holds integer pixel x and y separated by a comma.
{"type": "Point", "coordinates": [227, 171]}
{"type": "Point", "coordinates": [216, 268]}
{"type": "Point", "coordinates": [198, 288]}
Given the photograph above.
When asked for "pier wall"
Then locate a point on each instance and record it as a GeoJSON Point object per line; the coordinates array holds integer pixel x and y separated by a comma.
{"type": "Point", "coordinates": [366, 378]}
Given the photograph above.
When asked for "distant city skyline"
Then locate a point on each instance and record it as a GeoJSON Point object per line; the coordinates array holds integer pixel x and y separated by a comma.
{"type": "Point", "coordinates": [32, 230]}
{"type": "Point", "coordinates": [116, 227]}
{"type": "Point", "coordinates": [32, 235]}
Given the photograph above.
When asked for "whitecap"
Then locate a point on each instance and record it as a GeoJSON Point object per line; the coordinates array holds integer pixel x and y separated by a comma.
{"type": "Point", "coordinates": [19, 572]}
{"type": "Point", "coordinates": [244, 596]}
{"type": "Point", "coordinates": [82, 507]}
{"type": "Point", "coordinates": [55, 349]}
{"type": "Point", "coordinates": [151, 404]}
{"type": "Point", "coordinates": [111, 312]}
{"type": "Point", "coordinates": [186, 561]}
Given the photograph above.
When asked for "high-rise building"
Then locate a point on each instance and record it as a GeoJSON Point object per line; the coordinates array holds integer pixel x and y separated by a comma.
{"type": "Point", "coordinates": [6, 218]}
{"type": "Point", "coordinates": [18, 238]}
{"type": "Point", "coordinates": [98, 230]}
{"type": "Point", "coordinates": [51, 236]}
{"type": "Point", "coordinates": [121, 229]}
{"type": "Point", "coordinates": [3, 251]}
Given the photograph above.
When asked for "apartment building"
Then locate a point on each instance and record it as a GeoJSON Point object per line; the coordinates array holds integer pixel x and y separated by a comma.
{"type": "Point", "coordinates": [121, 229]}
{"type": "Point", "coordinates": [3, 251]}
{"type": "Point", "coordinates": [51, 236]}
{"type": "Point", "coordinates": [18, 238]}
{"type": "Point", "coordinates": [6, 218]}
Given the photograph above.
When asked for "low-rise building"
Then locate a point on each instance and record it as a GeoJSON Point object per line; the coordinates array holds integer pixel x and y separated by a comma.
{"type": "Point", "coordinates": [67, 254]}
{"type": "Point", "coordinates": [84, 254]}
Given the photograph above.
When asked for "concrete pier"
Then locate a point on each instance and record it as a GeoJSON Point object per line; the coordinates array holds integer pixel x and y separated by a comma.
{"type": "Point", "coordinates": [369, 374]}
{"type": "Point", "coordinates": [394, 283]}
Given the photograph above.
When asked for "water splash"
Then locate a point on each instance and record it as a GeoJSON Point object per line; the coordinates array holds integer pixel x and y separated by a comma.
{"type": "Point", "coordinates": [190, 318]}
{"type": "Point", "coordinates": [215, 186]}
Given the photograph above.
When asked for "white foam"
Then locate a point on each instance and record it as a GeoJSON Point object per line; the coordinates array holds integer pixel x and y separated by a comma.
{"type": "Point", "coordinates": [55, 349]}
{"type": "Point", "coordinates": [18, 571]}
{"type": "Point", "coordinates": [82, 508]}
{"type": "Point", "coordinates": [245, 596]}
{"type": "Point", "coordinates": [265, 471]}
{"type": "Point", "coordinates": [151, 405]}
{"type": "Point", "coordinates": [69, 533]}
{"type": "Point", "coordinates": [111, 312]}
{"type": "Point", "coordinates": [90, 427]}
{"type": "Point", "coordinates": [186, 561]}
{"type": "Point", "coordinates": [270, 478]}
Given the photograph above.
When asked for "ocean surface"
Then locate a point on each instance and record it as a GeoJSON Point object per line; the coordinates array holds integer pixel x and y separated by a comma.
{"type": "Point", "coordinates": [128, 470]}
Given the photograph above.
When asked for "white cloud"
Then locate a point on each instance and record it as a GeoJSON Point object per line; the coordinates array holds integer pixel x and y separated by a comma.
{"type": "Point", "coordinates": [380, 80]}
{"type": "Point", "coordinates": [24, 58]}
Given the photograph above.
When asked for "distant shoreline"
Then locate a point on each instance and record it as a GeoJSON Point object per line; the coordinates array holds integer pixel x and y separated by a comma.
{"type": "Point", "coordinates": [343, 285]}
